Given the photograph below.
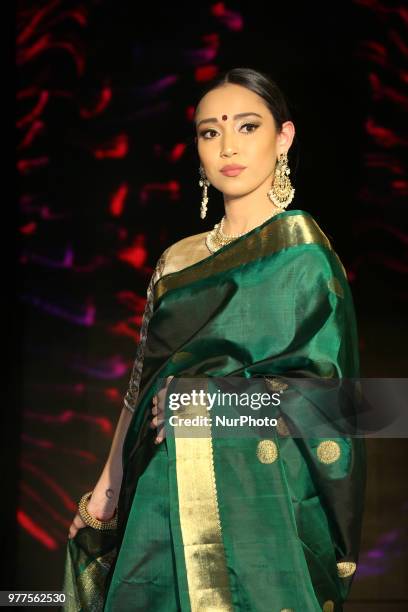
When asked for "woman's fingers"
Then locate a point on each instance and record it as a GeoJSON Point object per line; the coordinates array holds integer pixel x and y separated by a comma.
{"type": "Point", "coordinates": [160, 436]}
{"type": "Point", "coordinates": [163, 391]}
{"type": "Point", "coordinates": [156, 422]}
{"type": "Point", "coordinates": [155, 408]}
{"type": "Point", "coordinates": [76, 525]}
{"type": "Point", "coordinates": [158, 412]}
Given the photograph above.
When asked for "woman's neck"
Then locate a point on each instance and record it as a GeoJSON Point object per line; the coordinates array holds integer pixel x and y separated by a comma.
{"type": "Point", "coordinates": [240, 217]}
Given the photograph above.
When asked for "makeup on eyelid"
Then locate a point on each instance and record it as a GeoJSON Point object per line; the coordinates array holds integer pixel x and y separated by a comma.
{"type": "Point", "coordinates": [253, 125]}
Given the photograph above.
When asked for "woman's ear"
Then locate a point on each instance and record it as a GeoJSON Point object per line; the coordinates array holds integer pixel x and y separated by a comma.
{"type": "Point", "coordinates": [287, 134]}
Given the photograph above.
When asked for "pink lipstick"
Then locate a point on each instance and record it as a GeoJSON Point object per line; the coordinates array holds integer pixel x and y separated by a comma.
{"type": "Point", "coordinates": [232, 169]}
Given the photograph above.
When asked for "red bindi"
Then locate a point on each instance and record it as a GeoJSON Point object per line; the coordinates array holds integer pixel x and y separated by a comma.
{"type": "Point", "coordinates": [224, 117]}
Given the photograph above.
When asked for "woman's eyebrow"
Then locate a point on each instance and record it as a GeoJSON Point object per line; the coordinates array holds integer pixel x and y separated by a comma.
{"type": "Point", "coordinates": [238, 116]}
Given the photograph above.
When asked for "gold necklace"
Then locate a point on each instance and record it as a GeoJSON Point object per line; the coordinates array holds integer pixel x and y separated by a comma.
{"type": "Point", "coordinates": [216, 239]}
{"type": "Point", "coordinates": [228, 236]}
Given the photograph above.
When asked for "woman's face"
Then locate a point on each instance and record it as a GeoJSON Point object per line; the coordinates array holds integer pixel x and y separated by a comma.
{"type": "Point", "coordinates": [224, 138]}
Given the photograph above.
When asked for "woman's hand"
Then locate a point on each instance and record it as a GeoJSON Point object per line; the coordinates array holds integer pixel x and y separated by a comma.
{"type": "Point", "coordinates": [76, 525]}
{"type": "Point", "coordinates": [98, 507]}
{"type": "Point", "coordinates": [159, 401]}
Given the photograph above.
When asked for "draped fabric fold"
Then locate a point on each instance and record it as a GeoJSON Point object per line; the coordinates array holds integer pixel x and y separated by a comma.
{"type": "Point", "coordinates": [253, 523]}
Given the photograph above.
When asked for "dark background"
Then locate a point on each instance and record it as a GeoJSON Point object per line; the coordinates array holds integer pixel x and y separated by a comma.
{"type": "Point", "coordinates": [108, 178]}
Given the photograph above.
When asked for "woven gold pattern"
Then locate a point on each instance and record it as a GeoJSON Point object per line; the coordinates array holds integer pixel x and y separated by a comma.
{"type": "Point", "coordinates": [279, 233]}
{"type": "Point", "coordinates": [328, 451]}
{"type": "Point", "coordinates": [267, 451]}
{"type": "Point", "coordinates": [346, 568]}
{"type": "Point", "coordinates": [206, 565]}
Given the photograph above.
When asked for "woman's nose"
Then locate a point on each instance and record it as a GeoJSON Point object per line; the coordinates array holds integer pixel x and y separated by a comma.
{"type": "Point", "coordinates": [227, 152]}
{"type": "Point", "coordinates": [228, 145]}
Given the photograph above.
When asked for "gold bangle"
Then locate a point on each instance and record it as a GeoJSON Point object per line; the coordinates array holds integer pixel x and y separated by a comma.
{"type": "Point", "coordinates": [90, 520]}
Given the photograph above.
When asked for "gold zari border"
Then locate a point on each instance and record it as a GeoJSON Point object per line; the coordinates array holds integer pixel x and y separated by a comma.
{"type": "Point", "coordinates": [207, 574]}
{"type": "Point", "coordinates": [278, 234]}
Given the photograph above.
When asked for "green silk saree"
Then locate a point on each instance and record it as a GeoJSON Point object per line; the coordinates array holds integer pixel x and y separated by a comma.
{"type": "Point", "coordinates": [242, 524]}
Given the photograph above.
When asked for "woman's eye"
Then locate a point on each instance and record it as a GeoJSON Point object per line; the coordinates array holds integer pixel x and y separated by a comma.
{"type": "Point", "coordinates": [210, 133]}
{"type": "Point", "coordinates": [253, 127]}
{"type": "Point", "coordinates": [205, 133]}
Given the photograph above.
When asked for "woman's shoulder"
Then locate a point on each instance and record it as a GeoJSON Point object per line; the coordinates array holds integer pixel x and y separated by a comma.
{"type": "Point", "coordinates": [302, 228]}
{"type": "Point", "coordinates": [184, 252]}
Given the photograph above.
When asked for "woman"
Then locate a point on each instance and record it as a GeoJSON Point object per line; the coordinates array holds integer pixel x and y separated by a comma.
{"type": "Point", "coordinates": [255, 523]}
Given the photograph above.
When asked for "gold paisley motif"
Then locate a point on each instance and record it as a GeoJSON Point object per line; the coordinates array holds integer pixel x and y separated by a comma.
{"type": "Point", "coordinates": [267, 451]}
{"type": "Point", "coordinates": [287, 610]}
{"type": "Point", "coordinates": [346, 568]}
{"type": "Point", "coordinates": [328, 451]}
{"type": "Point", "coordinates": [335, 286]}
{"type": "Point", "coordinates": [281, 427]}
{"type": "Point", "coordinates": [328, 606]}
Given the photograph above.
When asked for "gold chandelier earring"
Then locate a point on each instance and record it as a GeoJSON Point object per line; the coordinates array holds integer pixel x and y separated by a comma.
{"type": "Point", "coordinates": [282, 191]}
{"type": "Point", "coordinates": [204, 183]}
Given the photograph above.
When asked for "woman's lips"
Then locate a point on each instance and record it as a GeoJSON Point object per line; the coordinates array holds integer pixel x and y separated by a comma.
{"type": "Point", "coordinates": [232, 171]}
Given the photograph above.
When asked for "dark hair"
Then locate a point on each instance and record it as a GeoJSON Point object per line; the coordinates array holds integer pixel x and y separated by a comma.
{"type": "Point", "coordinates": [261, 84]}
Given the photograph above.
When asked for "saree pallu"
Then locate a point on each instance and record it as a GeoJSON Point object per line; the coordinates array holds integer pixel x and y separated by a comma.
{"type": "Point", "coordinates": [244, 524]}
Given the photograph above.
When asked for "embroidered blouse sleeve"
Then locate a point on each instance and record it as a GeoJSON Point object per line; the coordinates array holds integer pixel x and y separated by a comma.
{"type": "Point", "coordinates": [131, 396]}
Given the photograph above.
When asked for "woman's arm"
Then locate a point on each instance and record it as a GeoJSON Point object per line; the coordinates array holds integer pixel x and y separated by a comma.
{"type": "Point", "coordinates": [104, 499]}
{"type": "Point", "coordinates": [105, 495]}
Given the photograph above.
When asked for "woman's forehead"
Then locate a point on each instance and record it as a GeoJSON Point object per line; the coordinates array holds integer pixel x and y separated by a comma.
{"type": "Point", "coordinates": [228, 100]}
